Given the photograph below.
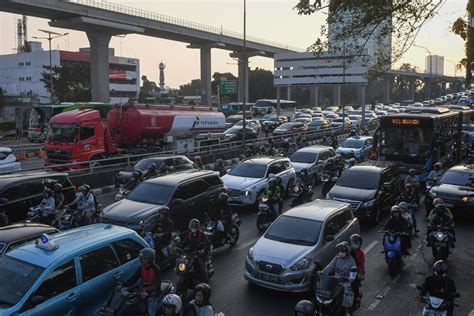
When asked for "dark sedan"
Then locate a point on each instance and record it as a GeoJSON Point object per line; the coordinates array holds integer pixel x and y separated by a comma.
{"type": "Point", "coordinates": [14, 236]}
{"type": "Point", "coordinates": [290, 128]}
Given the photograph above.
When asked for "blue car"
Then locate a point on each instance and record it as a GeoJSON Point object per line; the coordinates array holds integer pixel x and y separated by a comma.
{"type": "Point", "coordinates": [359, 145]}
{"type": "Point", "coordinates": [72, 275]}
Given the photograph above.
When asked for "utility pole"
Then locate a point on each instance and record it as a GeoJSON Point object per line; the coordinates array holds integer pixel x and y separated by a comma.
{"type": "Point", "coordinates": [343, 83]}
{"type": "Point", "coordinates": [245, 66]}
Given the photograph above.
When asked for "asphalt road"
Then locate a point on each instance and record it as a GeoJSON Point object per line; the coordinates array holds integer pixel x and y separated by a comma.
{"type": "Point", "coordinates": [383, 295]}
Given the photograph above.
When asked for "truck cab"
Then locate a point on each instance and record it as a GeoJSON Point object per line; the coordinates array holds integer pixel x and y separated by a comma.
{"type": "Point", "coordinates": [76, 136]}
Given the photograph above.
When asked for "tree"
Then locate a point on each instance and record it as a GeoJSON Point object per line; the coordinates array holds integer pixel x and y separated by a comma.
{"type": "Point", "coordinates": [71, 81]}
{"type": "Point", "coordinates": [148, 90]}
{"type": "Point", "coordinates": [462, 28]}
{"type": "Point", "coordinates": [192, 88]}
{"type": "Point", "coordinates": [370, 19]}
{"type": "Point", "coordinates": [261, 85]}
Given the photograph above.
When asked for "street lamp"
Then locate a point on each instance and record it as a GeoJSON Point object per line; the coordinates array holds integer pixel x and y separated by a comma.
{"type": "Point", "coordinates": [245, 66]}
{"type": "Point", "coordinates": [431, 65]}
{"type": "Point", "coordinates": [50, 38]}
{"type": "Point", "coordinates": [454, 65]}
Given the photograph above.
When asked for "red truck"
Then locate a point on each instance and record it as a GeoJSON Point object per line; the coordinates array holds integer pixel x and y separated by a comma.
{"type": "Point", "coordinates": [82, 135]}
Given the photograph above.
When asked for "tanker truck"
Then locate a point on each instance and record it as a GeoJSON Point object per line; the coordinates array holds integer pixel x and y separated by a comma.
{"type": "Point", "coordinates": [81, 135]}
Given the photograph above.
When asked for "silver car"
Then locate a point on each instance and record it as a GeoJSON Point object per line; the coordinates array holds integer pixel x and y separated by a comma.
{"type": "Point", "coordinates": [299, 243]}
{"type": "Point", "coordinates": [312, 158]}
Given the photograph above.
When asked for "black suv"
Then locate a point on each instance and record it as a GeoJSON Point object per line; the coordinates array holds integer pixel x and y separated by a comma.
{"type": "Point", "coordinates": [370, 188]}
{"type": "Point", "coordinates": [187, 194]}
{"type": "Point", "coordinates": [456, 188]}
{"type": "Point", "coordinates": [22, 191]}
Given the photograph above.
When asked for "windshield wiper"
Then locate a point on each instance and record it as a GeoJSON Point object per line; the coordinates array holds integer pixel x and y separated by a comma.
{"type": "Point", "coordinates": [300, 241]}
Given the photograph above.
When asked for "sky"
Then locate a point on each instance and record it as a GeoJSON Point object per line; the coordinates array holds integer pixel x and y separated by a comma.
{"type": "Point", "coordinates": [274, 20]}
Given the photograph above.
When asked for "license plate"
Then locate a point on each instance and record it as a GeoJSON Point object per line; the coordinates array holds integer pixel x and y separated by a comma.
{"type": "Point", "coordinates": [270, 278]}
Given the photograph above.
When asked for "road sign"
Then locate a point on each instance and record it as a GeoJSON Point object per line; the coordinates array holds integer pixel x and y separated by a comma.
{"type": "Point", "coordinates": [228, 86]}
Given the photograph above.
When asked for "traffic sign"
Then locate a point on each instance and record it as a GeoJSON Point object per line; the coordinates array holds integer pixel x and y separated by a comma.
{"type": "Point", "coordinates": [228, 86]}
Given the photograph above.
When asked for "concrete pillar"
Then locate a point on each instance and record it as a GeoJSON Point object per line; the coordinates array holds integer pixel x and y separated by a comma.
{"type": "Point", "coordinates": [288, 93]}
{"type": "Point", "coordinates": [278, 100]}
{"type": "Point", "coordinates": [336, 99]}
{"type": "Point", "coordinates": [387, 84]}
{"type": "Point", "coordinates": [243, 66]}
{"type": "Point", "coordinates": [361, 94]}
{"type": "Point", "coordinates": [427, 82]}
{"type": "Point", "coordinates": [206, 76]}
{"type": "Point", "coordinates": [100, 87]}
{"type": "Point", "coordinates": [314, 96]}
{"type": "Point", "coordinates": [411, 89]}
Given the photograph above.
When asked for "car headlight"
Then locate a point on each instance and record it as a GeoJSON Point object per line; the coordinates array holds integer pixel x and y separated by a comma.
{"type": "Point", "coordinates": [301, 265]}
{"type": "Point", "coordinates": [369, 203]}
{"type": "Point", "coordinates": [247, 192]}
{"type": "Point", "coordinates": [250, 254]}
{"type": "Point", "coordinates": [468, 199]}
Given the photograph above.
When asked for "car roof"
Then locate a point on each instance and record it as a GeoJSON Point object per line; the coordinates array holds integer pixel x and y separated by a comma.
{"type": "Point", "coordinates": [372, 166]}
{"type": "Point", "coordinates": [263, 160]}
{"type": "Point", "coordinates": [21, 231]}
{"type": "Point", "coordinates": [360, 137]}
{"type": "Point", "coordinates": [182, 176]}
{"type": "Point", "coordinates": [463, 168]}
{"type": "Point", "coordinates": [17, 177]}
{"type": "Point", "coordinates": [6, 149]}
{"type": "Point", "coordinates": [315, 149]}
{"type": "Point", "coordinates": [70, 243]}
{"type": "Point", "coordinates": [316, 210]}
{"type": "Point", "coordinates": [162, 157]}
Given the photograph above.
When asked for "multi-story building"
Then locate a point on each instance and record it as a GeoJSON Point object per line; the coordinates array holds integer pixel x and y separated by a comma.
{"type": "Point", "coordinates": [20, 74]}
{"type": "Point", "coordinates": [434, 64]}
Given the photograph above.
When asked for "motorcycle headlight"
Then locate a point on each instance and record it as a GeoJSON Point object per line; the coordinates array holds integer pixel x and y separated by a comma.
{"type": "Point", "coordinates": [250, 254]}
{"type": "Point", "coordinates": [468, 199]}
{"type": "Point", "coordinates": [301, 265]}
{"type": "Point", "coordinates": [369, 203]}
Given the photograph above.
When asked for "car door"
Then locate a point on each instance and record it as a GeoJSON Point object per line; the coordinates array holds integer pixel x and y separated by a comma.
{"type": "Point", "coordinates": [100, 273]}
{"type": "Point", "coordinates": [346, 222]}
{"type": "Point", "coordinates": [215, 188]}
{"type": "Point", "coordinates": [59, 291]}
{"type": "Point", "coordinates": [327, 250]}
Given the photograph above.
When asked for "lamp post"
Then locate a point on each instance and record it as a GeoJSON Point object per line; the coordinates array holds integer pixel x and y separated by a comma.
{"type": "Point", "coordinates": [244, 62]}
{"type": "Point", "coordinates": [50, 38]}
{"type": "Point", "coordinates": [454, 65]}
{"type": "Point", "coordinates": [431, 66]}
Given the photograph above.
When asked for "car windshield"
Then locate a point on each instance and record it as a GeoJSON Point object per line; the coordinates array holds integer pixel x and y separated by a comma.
{"type": "Point", "coordinates": [295, 230]}
{"type": "Point", "coordinates": [464, 179]}
{"type": "Point", "coordinates": [16, 278]}
{"type": "Point", "coordinates": [304, 157]}
{"type": "Point", "coordinates": [233, 131]}
{"type": "Point", "coordinates": [143, 164]}
{"type": "Point", "coordinates": [151, 193]}
{"type": "Point", "coordinates": [286, 126]}
{"type": "Point", "coordinates": [359, 180]}
{"type": "Point", "coordinates": [232, 120]}
{"type": "Point", "coordinates": [352, 143]}
{"type": "Point", "coordinates": [64, 133]}
{"type": "Point", "coordinates": [249, 170]}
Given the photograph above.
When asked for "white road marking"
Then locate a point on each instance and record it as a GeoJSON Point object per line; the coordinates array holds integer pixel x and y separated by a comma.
{"type": "Point", "coordinates": [379, 298]}
{"type": "Point", "coordinates": [248, 243]}
{"type": "Point", "coordinates": [370, 246]}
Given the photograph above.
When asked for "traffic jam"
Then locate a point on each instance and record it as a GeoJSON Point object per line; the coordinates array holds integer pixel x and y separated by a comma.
{"type": "Point", "coordinates": [175, 210]}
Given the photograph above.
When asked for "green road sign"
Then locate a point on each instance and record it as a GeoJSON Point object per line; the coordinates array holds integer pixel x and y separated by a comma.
{"type": "Point", "coordinates": [228, 87]}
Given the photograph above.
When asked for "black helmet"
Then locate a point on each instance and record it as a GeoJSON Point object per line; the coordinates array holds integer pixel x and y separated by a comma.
{"type": "Point", "coordinates": [206, 291]}
{"type": "Point", "coordinates": [356, 241]}
{"type": "Point", "coordinates": [194, 224]}
{"type": "Point", "coordinates": [272, 182]}
{"type": "Point", "coordinates": [223, 197]}
{"type": "Point", "coordinates": [220, 161]}
{"type": "Point", "coordinates": [87, 188]}
{"type": "Point", "coordinates": [147, 253]}
{"type": "Point", "coordinates": [152, 166]}
{"type": "Point", "coordinates": [440, 268]}
{"type": "Point", "coordinates": [437, 166]}
{"type": "Point", "coordinates": [304, 307]}
{"type": "Point", "coordinates": [241, 157]}
{"type": "Point", "coordinates": [412, 172]}
{"type": "Point", "coordinates": [57, 187]}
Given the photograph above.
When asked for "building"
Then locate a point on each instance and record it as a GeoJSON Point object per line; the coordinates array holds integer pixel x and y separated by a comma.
{"type": "Point", "coordinates": [20, 74]}
{"type": "Point", "coordinates": [434, 65]}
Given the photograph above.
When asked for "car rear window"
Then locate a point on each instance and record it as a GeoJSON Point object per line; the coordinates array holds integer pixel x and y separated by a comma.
{"type": "Point", "coordinates": [151, 193]}
{"type": "Point", "coordinates": [4, 154]}
{"type": "Point", "coordinates": [359, 180]}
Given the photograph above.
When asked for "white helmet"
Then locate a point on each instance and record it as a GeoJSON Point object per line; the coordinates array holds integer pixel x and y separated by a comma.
{"type": "Point", "coordinates": [173, 300]}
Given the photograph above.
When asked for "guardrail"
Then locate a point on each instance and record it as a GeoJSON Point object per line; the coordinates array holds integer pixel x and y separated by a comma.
{"type": "Point", "coordinates": [177, 21]}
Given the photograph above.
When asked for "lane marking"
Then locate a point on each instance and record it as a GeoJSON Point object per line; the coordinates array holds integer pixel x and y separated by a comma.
{"type": "Point", "coordinates": [370, 246]}
{"type": "Point", "coordinates": [379, 298]}
{"type": "Point", "coordinates": [248, 243]}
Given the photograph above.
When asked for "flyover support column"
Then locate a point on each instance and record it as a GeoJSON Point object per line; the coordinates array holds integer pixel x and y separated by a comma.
{"type": "Point", "coordinates": [206, 76]}
{"type": "Point", "coordinates": [411, 89]}
{"type": "Point", "coordinates": [387, 88]}
{"type": "Point", "coordinates": [361, 94]}
{"type": "Point", "coordinates": [243, 72]}
{"type": "Point", "coordinates": [288, 93]}
{"type": "Point", "coordinates": [314, 96]}
{"type": "Point", "coordinates": [427, 83]}
{"type": "Point", "coordinates": [336, 95]}
{"type": "Point", "coordinates": [100, 87]}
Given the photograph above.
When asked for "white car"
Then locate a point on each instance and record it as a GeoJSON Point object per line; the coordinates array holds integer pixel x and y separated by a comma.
{"type": "Point", "coordinates": [356, 120]}
{"type": "Point", "coordinates": [8, 161]}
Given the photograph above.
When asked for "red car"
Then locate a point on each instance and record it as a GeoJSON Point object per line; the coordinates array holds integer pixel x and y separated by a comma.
{"type": "Point", "coordinates": [290, 128]}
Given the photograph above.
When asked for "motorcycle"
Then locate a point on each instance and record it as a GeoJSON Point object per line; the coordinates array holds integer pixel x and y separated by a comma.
{"type": "Point", "coordinates": [329, 294]}
{"type": "Point", "coordinates": [34, 214]}
{"type": "Point", "coordinates": [439, 243]}
{"type": "Point", "coordinates": [436, 306]}
{"type": "Point", "coordinates": [328, 182]}
{"type": "Point", "coordinates": [231, 237]}
{"type": "Point", "coordinates": [168, 251]}
{"type": "Point", "coordinates": [393, 251]}
{"type": "Point", "coordinates": [301, 194]}
{"type": "Point", "coordinates": [265, 216]}
{"type": "Point", "coordinates": [185, 269]}
{"type": "Point", "coordinates": [121, 298]}
{"type": "Point", "coordinates": [70, 218]}
{"type": "Point", "coordinates": [125, 182]}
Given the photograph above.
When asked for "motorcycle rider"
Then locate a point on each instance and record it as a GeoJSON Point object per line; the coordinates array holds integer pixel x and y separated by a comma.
{"type": "Point", "coordinates": [196, 240]}
{"type": "Point", "coordinates": [88, 205]}
{"type": "Point", "coordinates": [163, 228]}
{"type": "Point", "coordinates": [330, 168]}
{"type": "Point", "coordinates": [398, 224]}
{"type": "Point", "coordinates": [339, 163]}
{"type": "Point", "coordinates": [58, 196]}
{"type": "Point", "coordinates": [304, 308]}
{"type": "Point", "coordinates": [405, 213]}
{"type": "Point", "coordinates": [198, 162]}
{"type": "Point", "coordinates": [440, 285]}
{"type": "Point", "coordinates": [172, 305]}
{"type": "Point", "coordinates": [412, 179]}
{"type": "Point", "coordinates": [263, 150]}
{"type": "Point", "coordinates": [222, 214]}
{"type": "Point", "coordinates": [437, 171]}
{"type": "Point", "coordinates": [147, 279]}
{"type": "Point", "coordinates": [359, 257]}
{"type": "Point", "coordinates": [47, 207]}
{"type": "Point", "coordinates": [219, 167]}
{"type": "Point", "coordinates": [409, 195]}
{"type": "Point", "coordinates": [273, 193]}
{"type": "Point", "coordinates": [200, 305]}
{"type": "Point", "coordinates": [151, 171]}
{"type": "Point", "coordinates": [442, 219]}
{"type": "Point", "coordinates": [436, 202]}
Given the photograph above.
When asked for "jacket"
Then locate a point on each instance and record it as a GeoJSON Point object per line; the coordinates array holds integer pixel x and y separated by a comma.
{"type": "Point", "coordinates": [154, 289]}
{"type": "Point", "coordinates": [442, 287]}
{"type": "Point", "coordinates": [359, 257]}
{"type": "Point", "coordinates": [398, 225]}
{"type": "Point", "coordinates": [341, 267]}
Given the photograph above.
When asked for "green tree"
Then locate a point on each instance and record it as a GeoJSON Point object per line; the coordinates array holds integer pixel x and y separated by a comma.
{"type": "Point", "coordinates": [401, 84]}
{"type": "Point", "coordinates": [462, 28]}
{"type": "Point", "coordinates": [370, 19]}
{"type": "Point", "coordinates": [192, 88]}
{"type": "Point", "coordinates": [261, 85]}
{"type": "Point", "coordinates": [148, 90]}
{"type": "Point", "coordinates": [71, 81]}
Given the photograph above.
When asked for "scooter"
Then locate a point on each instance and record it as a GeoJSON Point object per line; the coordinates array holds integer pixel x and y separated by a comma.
{"type": "Point", "coordinates": [168, 251]}
{"type": "Point", "coordinates": [212, 227]}
{"type": "Point", "coordinates": [393, 251]}
{"type": "Point", "coordinates": [329, 295]}
{"type": "Point", "coordinates": [265, 216]}
{"type": "Point", "coordinates": [34, 214]}
{"type": "Point", "coordinates": [436, 306]}
{"type": "Point", "coordinates": [121, 298]}
{"type": "Point", "coordinates": [301, 194]}
{"type": "Point", "coordinates": [185, 269]}
{"type": "Point", "coordinates": [328, 182]}
{"type": "Point", "coordinates": [439, 243]}
{"type": "Point", "coordinates": [70, 218]}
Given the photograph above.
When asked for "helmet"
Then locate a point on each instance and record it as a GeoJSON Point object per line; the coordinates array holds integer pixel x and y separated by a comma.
{"type": "Point", "coordinates": [407, 186]}
{"type": "Point", "coordinates": [152, 166]}
{"type": "Point", "coordinates": [47, 192]}
{"type": "Point", "coordinates": [356, 241]}
{"type": "Point", "coordinates": [438, 201]}
{"type": "Point", "coordinates": [437, 166]}
{"type": "Point", "coordinates": [81, 189]}
{"type": "Point", "coordinates": [194, 224]}
{"type": "Point", "coordinates": [439, 208]}
{"type": "Point", "coordinates": [87, 188]}
{"type": "Point", "coordinates": [165, 212]}
{"type": "Point", "coordinates": [352, 161]}
{"type": "Point", "coordinates": [411, 172]}
{"type": "Point", "coordinates": [279, 180]}
{"type": "Point", "coordinates": [173, 300]}
{"type": "Point", "coordinates": [304, 171]}
{"type": "Point", "coordinates": [220, 161]}
{"type": "Point", "coordinates": [271, 176]}
{"type": "Point", "coordinates": [395, 209]}
{"type": "Point", "coordinates": [330, 161]}
{"type": "Point", "coordinates": [343, 247]}
{"type": "Point", "coordinates": [241, 157]}
{"type": "Point", "coordinates": [205, 289]}
{"type": "Point", "coordinates": [223, 197]}
{"type": "Point", "coordinates": [57, 187]}
{"type": "Point", "coordinates": [403, 205]}
{"type": "Point", "coordinates": [272, 182]}
{"type": "Point", "coordinates": [304, 307]}
{"type": "Point", "coordinates": [197, 158]}
{"type": "Point", "coordinates": [147, 253]}
{"type": "Point", "coordinates": [440, 268]}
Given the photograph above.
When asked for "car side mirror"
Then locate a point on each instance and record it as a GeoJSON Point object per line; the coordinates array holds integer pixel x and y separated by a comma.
{"type": "Point", "coordinates": [36, 300]}
{"type": "Point", "coordinates": [177, 202]}
{"type": "Point", "coordinates": [328, 238]}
